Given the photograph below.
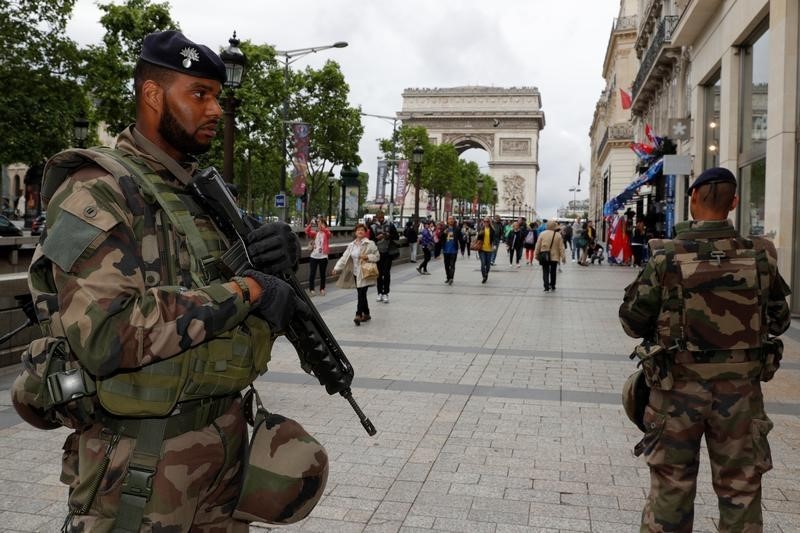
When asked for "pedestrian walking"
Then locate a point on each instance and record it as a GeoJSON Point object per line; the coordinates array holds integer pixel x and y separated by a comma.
{"type": "Point", "coordinates": [550, 252]}
{"type": "Point", "coordinates": [437, 240]}
{"type": "Point", "coordinates": [426, 242]}
{"type": "Point", "coordinates": [566, 234]}
{"type": "Point", "coordinates": [451, 236]}
{"type": "Point", "coordinates": [161, 346]}
{"type": "Point", "coordinates": [497, 224]}
{"type": "Point", "coordinates": [638, 243]}
{"type": "Point", "coordinates": [515, 241]}
{"type": "Point", "coordinates": [708, 305]}
{"type": "Point", "coordinates": [463, 243]}
{"type": "Point", "coordinates": [355, 274]}
{"type": "Point", "coordinates": [411, 233]}
{"type": "Point", "coordinates": [318, 259]}
{"type": "Point", "coordinates": [486, 235]}
{"type": "Point", "coordinates": [386, 236]}
{"type": "Point", "coordinates": [578, 242]}
{"type": "Point", "coordinates": [589, 241]}
{"type": "Point", "coordinates": [530, 244]}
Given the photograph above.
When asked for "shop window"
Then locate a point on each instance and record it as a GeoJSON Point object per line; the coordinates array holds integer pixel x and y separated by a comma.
{"type": "Point", "coordinates": [753, 128]}
{"type": "Point", "coordinates": [711, 122]}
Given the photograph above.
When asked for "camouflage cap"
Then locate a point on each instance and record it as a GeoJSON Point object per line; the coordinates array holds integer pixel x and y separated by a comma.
{"type": "Point", "coordinates": [635, 395]}
{"type": "Point", "coordinates": [285, 474]}
{"type": "Point", "coordinates": [28, 402]}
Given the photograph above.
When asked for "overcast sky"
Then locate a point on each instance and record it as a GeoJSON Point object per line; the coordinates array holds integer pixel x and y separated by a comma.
{"type": "Point", "coordinates": [557, 46]}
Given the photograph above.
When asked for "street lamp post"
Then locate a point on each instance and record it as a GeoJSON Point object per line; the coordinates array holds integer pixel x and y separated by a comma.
{"type": "Point", "coordinates": [494, 201]}
{"type": "Point", "coordinates": [234, 61]}
{"type": "Point", "coordinates": [331, 181]}
{"type": "Point", "coordinates": [289, 57]}
{"type": "Point", "coordinates": [417, 156]}
{"type": "Point", "coordinates": [513, 206]}
{"type": "Point", "coordinates": [480, 190]}
{"type": "Point", "coordinates": [80, 130]}
{"type": "Point", "coordinates": [574, 190]}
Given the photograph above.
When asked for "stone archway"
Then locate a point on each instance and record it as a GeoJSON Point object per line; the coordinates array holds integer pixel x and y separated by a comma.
{"type": "Point", "coordinates": [504, 122]}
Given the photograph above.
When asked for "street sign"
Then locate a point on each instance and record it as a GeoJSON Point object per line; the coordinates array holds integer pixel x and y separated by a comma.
{"type": "Point", "coordinates": [679, 129]}
{"type": "Point", "coordinates": [280, 200]}
{"type": "Point", "coordinates": [677, 165]}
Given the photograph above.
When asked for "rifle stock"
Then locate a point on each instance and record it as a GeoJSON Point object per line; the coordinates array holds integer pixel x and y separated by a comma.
{"type": "Point", "coordinates": [318, 350]}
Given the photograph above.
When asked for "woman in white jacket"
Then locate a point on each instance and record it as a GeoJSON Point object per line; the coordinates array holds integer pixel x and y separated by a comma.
{"type": "Point", "coordinates": [360, 251]}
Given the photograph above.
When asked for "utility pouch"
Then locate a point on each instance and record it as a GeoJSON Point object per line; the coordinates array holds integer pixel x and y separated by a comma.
{"type": "Point", "coordinates": [771, 355]}
{"type": "Point", "coordinates": [656, 362]}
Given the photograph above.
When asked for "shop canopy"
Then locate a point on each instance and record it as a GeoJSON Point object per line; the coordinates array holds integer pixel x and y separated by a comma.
{"type": "Point", "coordinates": [619, 201]}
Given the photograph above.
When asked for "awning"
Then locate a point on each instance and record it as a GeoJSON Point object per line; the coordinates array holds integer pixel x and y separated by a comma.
{"type": "Point", "coordinates": [619, 201]}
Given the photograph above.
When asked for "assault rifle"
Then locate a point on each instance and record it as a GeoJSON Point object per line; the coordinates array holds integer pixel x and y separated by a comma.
{"type": "Point", "coordinates": [319, 352]}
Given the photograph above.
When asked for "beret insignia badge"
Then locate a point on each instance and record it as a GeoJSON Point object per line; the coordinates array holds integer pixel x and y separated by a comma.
{"type": "Point", "coordinates": [189, 55]}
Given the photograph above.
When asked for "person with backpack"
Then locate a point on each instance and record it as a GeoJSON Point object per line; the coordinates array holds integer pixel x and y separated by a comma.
{"type": "Point", "coordinates": [530, 243]}
{"type": "Point", "coordinates": [709, 306]}
{"type": "Point", "coordinates": [412, 236]}
{"type": "Point", "coordinates": [426, 242]}
{"type": "Point", "coordinates": [132, 297]}
{"type": "Point", "coordinates": [514, 242]}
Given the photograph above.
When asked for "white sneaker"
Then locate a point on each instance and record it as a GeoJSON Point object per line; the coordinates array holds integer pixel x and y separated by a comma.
{"type": "Point", "coordinates": [386, 298]}
{"type": "Point", "coordinates": [573, 260]}
{"type": "Point", "coordinates": [379, 298]}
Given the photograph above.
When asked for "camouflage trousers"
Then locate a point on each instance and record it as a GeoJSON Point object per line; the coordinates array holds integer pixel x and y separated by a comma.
{"type": "Point", "coordinates": [730, 413]}
{"type": "Point", "coordinates": [195, 486]}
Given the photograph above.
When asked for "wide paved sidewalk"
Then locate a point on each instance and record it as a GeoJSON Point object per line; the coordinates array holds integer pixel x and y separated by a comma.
{"type": "Point", "coordinates": [497, 408]}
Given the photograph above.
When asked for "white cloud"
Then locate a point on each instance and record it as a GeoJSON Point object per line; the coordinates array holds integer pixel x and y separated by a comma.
{"type": "Point", "coordinates": [555, 46]}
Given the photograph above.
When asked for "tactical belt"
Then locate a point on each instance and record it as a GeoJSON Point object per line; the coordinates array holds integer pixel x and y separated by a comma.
{"type": "Point", "coordinates": [716, 371]}
{"type": "Point", "coordinates": [150, 434]}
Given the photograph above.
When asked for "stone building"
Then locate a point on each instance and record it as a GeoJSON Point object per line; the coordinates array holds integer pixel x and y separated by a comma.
{"type": "Point", "coordinates": [729, 70]}
{"type": "Point", "coordinates": [613, 164]}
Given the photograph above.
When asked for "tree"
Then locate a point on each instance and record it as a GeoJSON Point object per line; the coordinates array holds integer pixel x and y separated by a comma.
{"type": "Point", "coordinates": [40, 97]}
{"type": "Point", "coordinates": [336, 127]}
{"type": "Point", "coordinates": [109, 67]}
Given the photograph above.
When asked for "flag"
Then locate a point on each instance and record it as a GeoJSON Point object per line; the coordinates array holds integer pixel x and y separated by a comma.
{"type": "Point", "coordinates": [626, 99]}
{"type": "Point", "coordinates": [300, 149]}
{"type": "Point", "coordinates": [402, 178]}
{"type": "Point", "coordinates": [648, 132]}
{"type": "Point", "coordinates": [380, 192]}
{"type": "Point", "coordinates": [580, 169]}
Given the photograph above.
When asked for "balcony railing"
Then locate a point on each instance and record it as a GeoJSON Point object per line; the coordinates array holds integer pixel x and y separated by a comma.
{"type": "Point", "coordinates": [626, 23]}
{"type": "Point", "coordinates": [615, 132]}
{"type": "Point", "coordinates": [663, 36]}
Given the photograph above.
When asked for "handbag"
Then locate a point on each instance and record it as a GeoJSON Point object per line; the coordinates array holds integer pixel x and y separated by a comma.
{"type": "Point", "coordinates": [369, 270]}
{"type": "Point", "coordinates": [476, 245]}
{"type": "Point", "coordinates": [544, 257]}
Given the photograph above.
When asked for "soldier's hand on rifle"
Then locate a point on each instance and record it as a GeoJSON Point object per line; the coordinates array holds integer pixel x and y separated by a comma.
{"type": "Point", "coordinates": [278, 303]}
{"type": "Point", "coordinates": [273, 248]}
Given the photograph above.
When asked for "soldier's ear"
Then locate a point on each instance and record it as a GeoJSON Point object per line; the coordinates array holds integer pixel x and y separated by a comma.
{"type": "Point", "coordinates": [153, 96]}
{"type": "Point", "coordinates": [734, 203]}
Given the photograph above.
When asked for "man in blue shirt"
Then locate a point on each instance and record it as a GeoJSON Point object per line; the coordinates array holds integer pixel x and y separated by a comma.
{"type": "Point", "coordinates": [451, 236]}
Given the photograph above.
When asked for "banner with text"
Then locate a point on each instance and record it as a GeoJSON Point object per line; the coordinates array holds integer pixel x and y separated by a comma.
{"type": "Point", "coordinates": [380, 190]}
{"type": "Point", "coordinates": [402, 181]}
{"type": "Point", "coordinates": [299, 150]}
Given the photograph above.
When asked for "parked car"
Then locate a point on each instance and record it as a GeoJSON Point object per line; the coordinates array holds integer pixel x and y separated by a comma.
{"type": "Point", "coordinates": [39, 224]}
{"type": "Point", "coordinates": [7, 229]}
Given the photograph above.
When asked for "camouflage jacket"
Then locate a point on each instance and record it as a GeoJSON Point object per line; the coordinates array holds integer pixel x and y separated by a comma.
{"type": "Point", "coordinates": [125, 303]}
{"type": "Point", "coordinates": [646, 301]}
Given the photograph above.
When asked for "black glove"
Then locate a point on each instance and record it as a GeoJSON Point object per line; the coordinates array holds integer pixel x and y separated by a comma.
{"type": "Point", "coordinates": [273, 248]}
{"type": "Point", "coordinates": [278, 303]}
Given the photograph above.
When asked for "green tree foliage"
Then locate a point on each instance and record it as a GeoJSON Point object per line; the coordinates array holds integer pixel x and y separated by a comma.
{"type": "Point", "coordinates": [40, 96]}
{"type": "Point", "coordinates": [109, 66]}
{"type": "Point", "coordinates": [336, 129]}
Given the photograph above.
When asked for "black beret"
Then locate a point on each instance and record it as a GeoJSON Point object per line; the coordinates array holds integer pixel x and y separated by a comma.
{"type": "Point", "coordinates": [713, 175]}
{"type": "Point", "coordinates": [171, 49]}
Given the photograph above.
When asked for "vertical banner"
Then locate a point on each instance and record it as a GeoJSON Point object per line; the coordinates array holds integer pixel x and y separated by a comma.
{"type": "Point", "coordinates": [669, 207]}
{"type": "Point", "coordinates": [402, 181]}
{"type": "Point", "coordinates": [299, 150]}
{"type": "Point", "coordinates": [380, 190]}
{"type": "Point", "coordinates": [448, 204]}
{"type": "Point", "coordinates": [475, 206]}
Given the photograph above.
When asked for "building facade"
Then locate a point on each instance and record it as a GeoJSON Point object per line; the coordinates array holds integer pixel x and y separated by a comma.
{"type": "Point", "coordinates": [613, 164]}
{"type": "Point", "coordinates": [729, 70]}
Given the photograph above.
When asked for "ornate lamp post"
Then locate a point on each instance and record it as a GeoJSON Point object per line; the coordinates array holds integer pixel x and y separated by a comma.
{"type": "Point", "coordinates": [480, 191]}
{"type": "Point", "coordinates": [331, 182]}
{"type": "Point", "coordinates": [234, 61]}
{"type": "Point", "coordinates": [80, 131]}
{"type": "Point", "coordinates": [289, 57]}
{"type": "Point", "coordinates": [494, 201]}
{"type": "Point", "coordinates": [416, 157]}
{"type": "Point", "coordinates": [513, 206]}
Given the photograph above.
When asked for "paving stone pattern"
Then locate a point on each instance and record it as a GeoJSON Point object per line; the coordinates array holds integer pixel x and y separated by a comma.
{"type": "Point", "coordinates": [497, 408]}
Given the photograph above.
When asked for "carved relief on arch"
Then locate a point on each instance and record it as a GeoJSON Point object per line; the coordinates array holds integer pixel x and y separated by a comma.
{"type": "Point", "coordinates": [486, 140]}
{"type": "Point", "coordinates": [513, 188]}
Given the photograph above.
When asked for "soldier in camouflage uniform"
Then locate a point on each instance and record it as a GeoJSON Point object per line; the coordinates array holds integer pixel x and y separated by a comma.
{"type": "Point", "coordinates": [167, 341]}
{"type": "Point", "coordinates": [709, 300]}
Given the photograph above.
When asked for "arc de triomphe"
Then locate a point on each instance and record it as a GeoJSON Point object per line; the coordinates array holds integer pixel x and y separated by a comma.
{"type": "Point", "coordinates": [504, 122]}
